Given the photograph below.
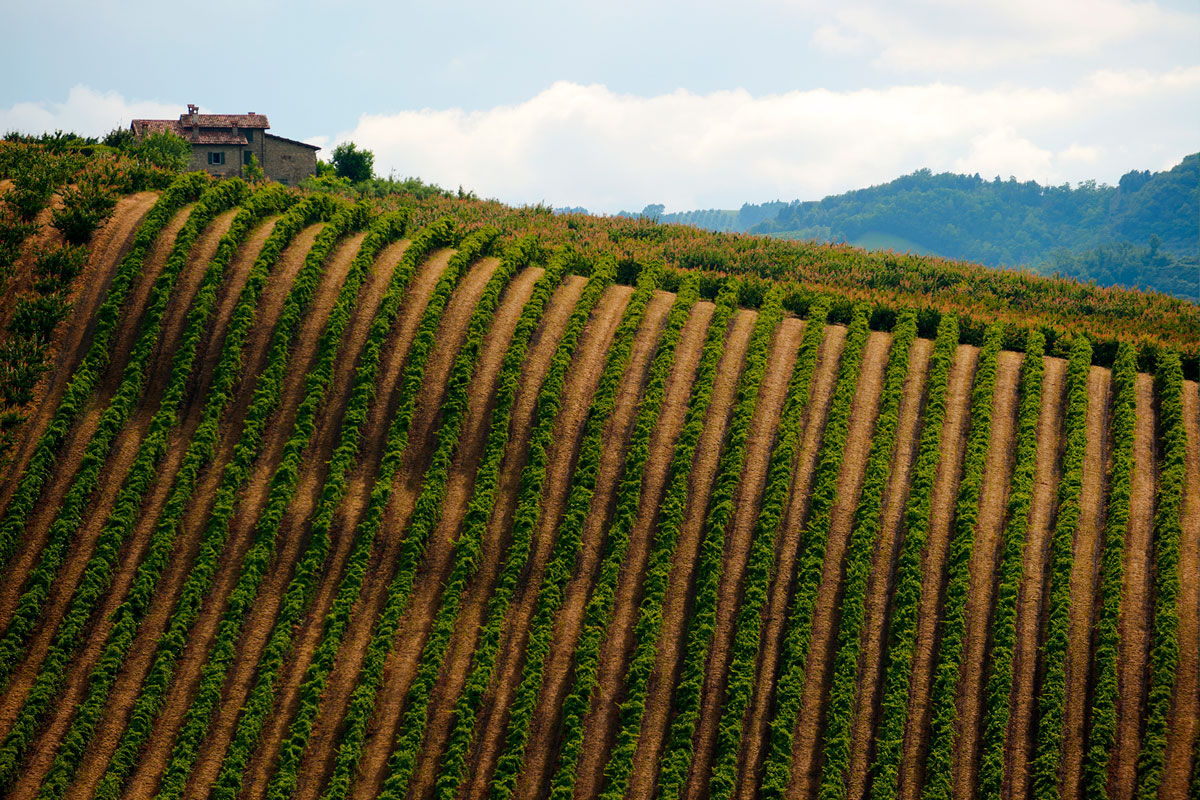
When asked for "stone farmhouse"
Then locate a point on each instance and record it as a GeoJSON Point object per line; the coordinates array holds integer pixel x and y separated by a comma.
{"type": "Point", "coordinates": [222, 143]}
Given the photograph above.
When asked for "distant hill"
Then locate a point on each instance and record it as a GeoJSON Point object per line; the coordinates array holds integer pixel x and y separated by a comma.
{"type": "Point", "coordinates": [1144, 232]}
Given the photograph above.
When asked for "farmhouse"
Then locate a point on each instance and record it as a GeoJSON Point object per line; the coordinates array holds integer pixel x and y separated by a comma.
{"type": "Point", "coordinates": [222, 143]}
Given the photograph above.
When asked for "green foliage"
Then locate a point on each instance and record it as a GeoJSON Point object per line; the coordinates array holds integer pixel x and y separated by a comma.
{"type": "Point", "coordinates": [760, 565]}
{"type": "Point", "coordinates": [353, 164]}
{"type": "Point", "coordinates": [162, 149]}
{"type": "Point", "coordinates": [1164, 642]}
{"type": "Point", "coordinates": [1051, 701]}
{"type": "Point", "coordinates": [863, 538]}
{"type": "Point", "coordinates": [281, 490]}
{"type": "Point", "coordinates": [266, 396]}
{"type": "Point", "coordinates": [524, 525]}
{"type": "Point", "coordinates": [468, 546]}
{"type": "Point", "coordinates": [998, 691]}
{"type": "Point", "coordinates": [598, 613]}
{"type": "Point", "coordinates": [125, 514]}
{"type": "Point", "coordinates": [939, 763]}
{"type": "Point", "coordinates": [1102, 736]}
{"type": "Point", "coordinates": [87, 374]}
{"type": "Point", "coordinates": [252, 171]}
{"type": "Point", "coordinates": [84, 207]}
{"type": "Point", "coordinates": [676, 758]}
{"type": "Point", "coordinates": [798, 627]}
{"type": "Point", "coordinates": [76, 502]}
{"type": "Point", "coordinates": [902, 635]}
{"type": "Point", "coordinates": [570, 527]}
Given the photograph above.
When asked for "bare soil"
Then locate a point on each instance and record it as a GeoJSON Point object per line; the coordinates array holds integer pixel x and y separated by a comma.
{"type": "Point", "coordinates": [253, 498]}
{"type": "Point", "coordinates": [70, 456]}
{"type": "Point", "coordinates": [760, 444]}
{"type": "Point", "coordinates": [170, 584]}
{"type": "Point", "coordinates": [1085, 578]}
{"type": "Point", "coordinates": [135, 549]}
{"type": "Point", "coordinates": [1137, 606]}
{"type": "Point", "coordinates": [473, 613]}
{"type": "Point", "coordinates": [601, 725]}
{"type": "Point", "coordinates": [1184, 723]}
{"type": "Point", "coordinates": [787, 549]}
{"type": "Point", "coordinates": [581, 383]}
{"type": "Point", "coordinates": [818, 674]}
{"type": "Point", "coordinates": [1031, 607]}
{"type": "Point", "coordinates": [954, 443]}
{"type": "Point", "coordinates": [427, 593]}
{"type": "Point", "coordinates": [985, 561]}
{"type": "Point", "coordinates": [883, 569]}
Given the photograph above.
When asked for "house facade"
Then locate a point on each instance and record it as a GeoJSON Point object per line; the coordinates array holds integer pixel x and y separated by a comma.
{"type": "Point", "coordinates": [223, 143]}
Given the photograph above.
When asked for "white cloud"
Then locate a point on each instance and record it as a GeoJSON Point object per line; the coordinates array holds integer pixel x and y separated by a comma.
{"type": "Point", "coordinates": [85, 111]}
{"type": "Point", "coordinates": [576, 144]}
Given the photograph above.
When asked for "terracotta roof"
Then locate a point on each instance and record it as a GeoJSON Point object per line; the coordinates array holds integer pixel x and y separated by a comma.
{"type": "Point", "coordinates": [226, 120]}
{"type": "Point", "coordinates": [291, 141]}
{"type": "Point", "coordinates": [141, 127]}
{"type": "Point", "coordinates": [215, 137]}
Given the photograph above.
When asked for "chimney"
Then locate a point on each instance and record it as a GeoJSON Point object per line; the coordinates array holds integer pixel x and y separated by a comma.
{"type": "Point", "coordinates": [193, 110]}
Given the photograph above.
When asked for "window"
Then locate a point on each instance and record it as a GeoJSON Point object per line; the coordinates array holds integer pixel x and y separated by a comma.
{"type": "Point", "coordinates": [246, 156]}
{"type": "Point", "coordinates": [249, 135]}
{"type": "Point", "coordinates": [216, 158]}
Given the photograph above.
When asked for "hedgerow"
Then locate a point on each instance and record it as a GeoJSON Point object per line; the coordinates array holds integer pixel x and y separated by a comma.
{"type": "Point", "coordinates": [938, 764]}
{"type": "Point", "coordinates": [567, 544]}
{"type": "Point", "coordinates": [42, 463]}
{"type": "Point", "coordinates": [129, 614]}
{"type": "Point", "coordinates": [902, 635]}
{"type": "Point", "coordinates": [597, 615]}
{"type": "Point", "coordinates": [308, 572]}
{"type": "Point", "coordinates": [338, 617]}
{"type": "Point", "coordinates": [125, 514]}
{"type": "Point", "coordinates": [676, 758]}
{"type": "Point", "coordinates": [1102, 736]}
{"type": "Point", "coordinates": [1052, 698]}
{"type": "Point", "coordinates": [75, 503]}
{"type": "Point", "coordinates": [282, 488]}
{"type": "Point", "coordinates": [760, 565]}
{"type": "Point", "coordinates": [1164, 642]}
{"type": "Point", "coordinates": [524, 526]}
{"type": "Point", "coordinates": [864, 535]}
{"type": "Point", "coordinates": [798, 628]}
{"type": "Point", "coordinates": [266, 398]}
{"type": "Point", "coordinates": [998, 690]}
{"type": "Point", "coordinates": [468, 546]}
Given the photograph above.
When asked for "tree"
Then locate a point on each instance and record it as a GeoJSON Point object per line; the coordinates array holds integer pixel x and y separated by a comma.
{"type": "Point", "coordinates": [352, 163]}
{"type": "Point", "coordinates": [163, 149]}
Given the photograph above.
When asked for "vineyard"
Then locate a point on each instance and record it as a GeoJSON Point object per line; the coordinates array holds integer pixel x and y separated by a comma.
{"type": "Point", "coordinates": [425, 497]}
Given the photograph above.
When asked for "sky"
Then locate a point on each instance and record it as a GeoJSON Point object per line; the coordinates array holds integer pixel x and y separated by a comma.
{"type": "Point", "coordinates": [615, 105]}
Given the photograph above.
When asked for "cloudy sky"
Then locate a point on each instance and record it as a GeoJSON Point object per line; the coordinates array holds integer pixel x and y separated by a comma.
{"type": "Point", "coordinates": [612, 105]}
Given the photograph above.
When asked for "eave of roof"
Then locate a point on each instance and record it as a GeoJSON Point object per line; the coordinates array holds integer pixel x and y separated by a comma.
{"type": "Point", "coordinates": [292, 141]}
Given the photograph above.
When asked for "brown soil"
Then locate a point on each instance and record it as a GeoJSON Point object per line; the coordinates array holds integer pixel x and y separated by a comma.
{"type": "Point", "coordinates": [138, 662]}
{"type": "Point", "coordinates": [145, 778]}
{"type": "Point", "coordinates": [601, 725]}
{"type": "Point", "coordinates": [985, 560]}
{"type": "Point", "coordinates": [21, 277]}
{"type": "Point", "coordinates": [818, 674]}
{"type": "Point", "coordinates": [581, 383]}
{"type": "Point", "coordinates": [787, 550]}
{"type": "Point", "coordinates": [618, 428]}
{"type": "Point", "coordinates": [294, 529]}
{"type": "Point", "coordinates": [954, 443]}
{"type": "Point", "coordinates": [427, 592]}
{"type": "Point", "coordinates": [559, 663]}
{"type": "Point", "coordinates": [408, 485]}
{"type": "Point", "coordinates": [1184, 723]}
{"type": "Point", "coordinates": [883, 569]}
{"type": "Point", "coordinates": [71, 454]}
{"type": "Point", "coordinates": [1030, 605]}
{"type": "Point", "coordinates": [1137, 607]}
{"type": "Point", "coordinates": [474, 607]}
{"type": "Point", "coordinates": [121, 456]}
{"type": "Point", "coordinates": [760, 444]}
{"type": "Point", "coordinates": [1085, 578]}
{"type": "Point", "coordinates": [134, 550]}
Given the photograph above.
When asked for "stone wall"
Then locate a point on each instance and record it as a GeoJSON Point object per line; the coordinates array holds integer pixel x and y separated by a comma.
{"type": "Point", "coordinates": [233, 159]}
{"type": "Point", "coordinates": [287, 161]}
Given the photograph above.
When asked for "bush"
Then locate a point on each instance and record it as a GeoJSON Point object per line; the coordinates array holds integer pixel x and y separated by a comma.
{"type": "Point", "coordinates": [353, 164]}
{"type": "Point", "coordinates": [84, 208]}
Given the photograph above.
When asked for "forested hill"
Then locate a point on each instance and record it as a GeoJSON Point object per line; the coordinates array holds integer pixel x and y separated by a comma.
{"type": "Point", "coordinates": [1143, 232]}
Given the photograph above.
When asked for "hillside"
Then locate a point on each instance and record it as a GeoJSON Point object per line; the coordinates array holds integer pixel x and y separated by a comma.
{"type": "Point", "coordinates": [1143, 232]}
{"type": "Point", "coordinates": [431, 497]}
